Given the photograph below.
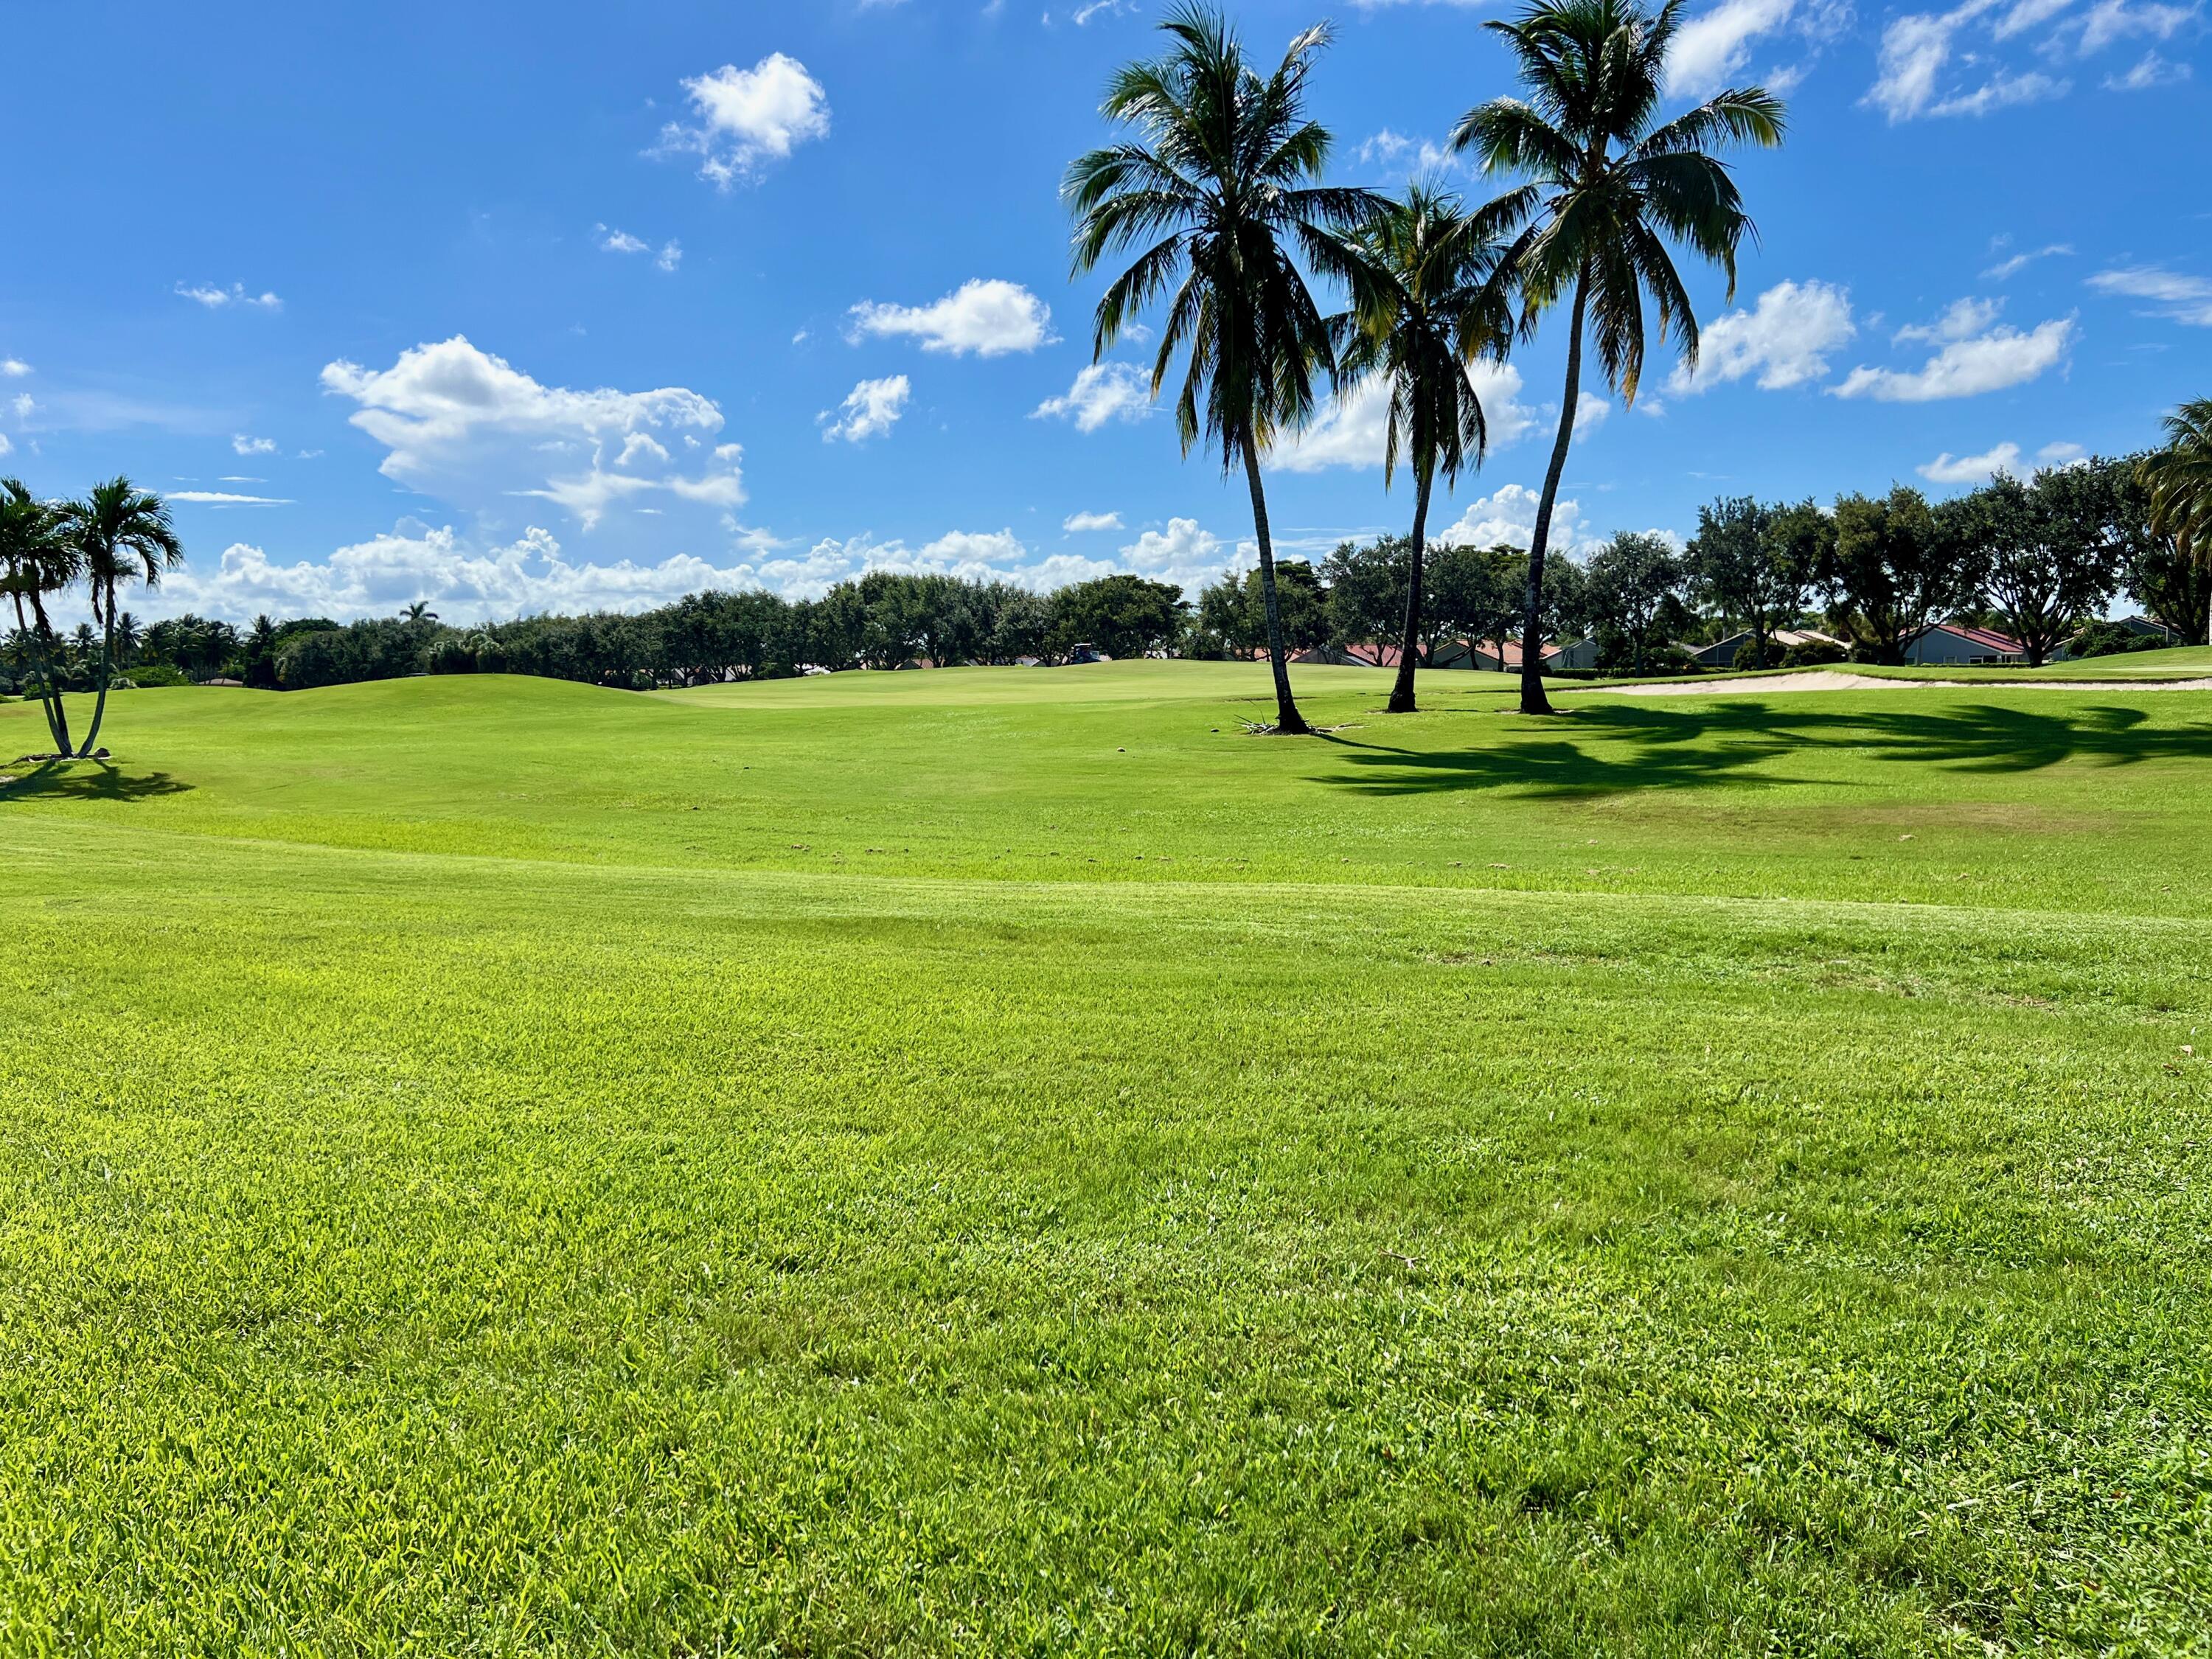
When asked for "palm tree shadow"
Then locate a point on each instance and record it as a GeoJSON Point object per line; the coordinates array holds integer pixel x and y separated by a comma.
{"type": "Point", "coordinates": [72, 781]}
{"type": "Point", "coordinates": [1616, 748]}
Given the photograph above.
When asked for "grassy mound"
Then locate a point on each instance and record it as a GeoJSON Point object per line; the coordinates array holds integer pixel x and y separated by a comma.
{"type": "Point", "coordinates": [1001, 1161]}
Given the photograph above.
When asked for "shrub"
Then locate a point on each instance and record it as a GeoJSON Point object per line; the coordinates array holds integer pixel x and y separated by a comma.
{"type": "Point", "coordinates": [1814, 654]}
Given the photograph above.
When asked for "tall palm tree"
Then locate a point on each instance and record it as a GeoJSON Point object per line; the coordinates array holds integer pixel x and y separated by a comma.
{"type": "Point", "coordinates": [123, 534]}
{"type": "Point", "coordinates": [1218, 187]}
{"type": "Point", "coordinates": [419, 611]}
{"type": "Point", "coordinates": [1426, 301]}
{"type": "Point", "coordinates": [1608, 184]}
{"type": "Point", "coordinates": [37, 557]}
{"type": "Point", "coordinates": [2179, 479]}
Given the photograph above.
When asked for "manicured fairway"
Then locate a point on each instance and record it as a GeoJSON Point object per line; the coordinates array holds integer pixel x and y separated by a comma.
{"type": "Point", "coordinates": [999, 1161]}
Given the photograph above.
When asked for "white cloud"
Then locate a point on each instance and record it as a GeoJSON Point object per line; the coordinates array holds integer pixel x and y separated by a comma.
{"type": "Point", "coordinates": [2185, 299]}
{"type": "Point", "coordinates": [24, 406]}
{"type": "Point", "coordinates": [1949, 469]}
{"type": "Point", "coordinates": [1711, 48]}
{"type": "Point", "coordinates": [12, 368]}
{"type": "Point", "coordinates": [1076, 524]}
{"type": "Point", "coordinates": [471, 428]}
{"type": "Point", "coordinates": [2005, 458]}
{"type": "Point", "coordinates": [748, 118]}
{"type": "Point", "coordinates": [2110, 21]}
{"type": "Point", "coordinates": [2149, 70]}
{"type": "Point", "coordinates": [7, 447]}
{"type": "Point", "coordinates": [1508, 515]}
{"type": "Point", "coordinates": [1590, 411]}
{"type": "Point", "coordinates": [670, 257]}
{"type": "Point", "coordinates": [244, 444]}
{"type": "Point", "coordinates": [990, 318]}
{"type": "Point", "coordinates": [215, 298]}
{"type": "Point", "coordinates": [1963, 320]}
{"type": "Point", "coordinates": [1102, 393]}
{"type": "Point", "coordinates": [1183, 553]}
{"type": "Point", "coordinates": [1353, 430]}
{"type": "Point", "coordinates": [1411, 156]}
{"type": "Point", "coordinates": [223, 498]}
{"type": "Point", "coordinates": [1965, 368]}
{"type": "Point", "coordinates": [617, 242]}
{"type": "Point", "coordinates": [1916, 49]}
{"type": "Point", "coordinates": [869, 410]}
{"type": "Point", "coordinates": [2012, 266]}
{"type": "Point", "coordinates": [1784, 339]}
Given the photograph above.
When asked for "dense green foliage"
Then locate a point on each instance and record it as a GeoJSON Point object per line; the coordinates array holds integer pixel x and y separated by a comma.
{"type": "Point", "coordinates": [993, 1162]}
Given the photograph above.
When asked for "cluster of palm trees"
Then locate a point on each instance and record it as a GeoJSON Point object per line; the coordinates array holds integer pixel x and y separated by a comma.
{"type": "Point", "coordinates": [117, 533]}
{"type": "Point", "coordinates": [1216, 189]}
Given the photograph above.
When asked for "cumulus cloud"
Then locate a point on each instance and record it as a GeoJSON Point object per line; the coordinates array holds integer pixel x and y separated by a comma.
{"type": "Point", "coordinates": [1353, 430]}
{"type": "Point", "coordinates": [1967, 368]}
{"type": "Point", "coordinates": [2182, 298]}
{"type": "Point", "coordinates": [246, 444]}
{"type": "Point", "coordinates": [1408, 156]}
{"type": "Point", "coordinates": [988, 317]}
{"type": "Point", "coordinates": [1076, 524]}
{"type": "Point", "coordinates": [1784, 339]}
{"type": "Point", "coordinates": [869, 410]}
{"type": "Point", "coordinates": [2005, 458]}
{"type": "Point", "coordinates": [1711, 49]}
{"type": "Point", "coordinates": [214, 298]}
{"type": "Point", "coordinates": [471, 428]}
{"type": "Point", "coordinates": [1507, 516]}
{"type": "Point", "coordinates": [748, 118]}
{"type": "Point", "coordinates": [617, 242]}
{"type": "Point", "coordinates": [12, 368]}
{"type": "Point", "coordinates": [1102, 393]}
{"type": "Point", "coordinates": [1183, 553]}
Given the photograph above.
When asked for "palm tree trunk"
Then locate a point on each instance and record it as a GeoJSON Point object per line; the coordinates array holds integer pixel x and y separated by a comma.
{"type": "Point", "coordinates": [1288, 721]}
{"type": "Point", "coordinates": [56, 715]}
{"type": "Point", "coordinates": [107, 659]}
{"type": "Point", "coordinates": [1401, 693]}
{"type": "Point", "coordinates": [47, 693]}
{"type": "Point", "coordinates": [1533, 700]}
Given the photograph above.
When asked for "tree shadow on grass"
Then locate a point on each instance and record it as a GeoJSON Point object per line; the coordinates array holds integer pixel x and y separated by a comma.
{"type": "Point", "coordinates": [1617, 749]}
{"type": "Point", "coordinates": [88, 781]}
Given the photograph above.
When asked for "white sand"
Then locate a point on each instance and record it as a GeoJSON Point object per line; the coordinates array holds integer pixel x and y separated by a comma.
{"type": "Point", "coordinates": [1837, 679]}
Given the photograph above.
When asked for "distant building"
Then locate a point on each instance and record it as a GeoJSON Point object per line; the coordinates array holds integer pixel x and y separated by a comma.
{"type": "Point", "coordinates": [1504, 657]}
{"type": "Point", "coordinates": [1954, 644]}
{"type": "Point", "coordinates": [1720, 653]}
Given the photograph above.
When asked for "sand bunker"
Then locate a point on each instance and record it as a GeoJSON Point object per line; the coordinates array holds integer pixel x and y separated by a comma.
{"type": "Point", "coordinates": [1834, 679]}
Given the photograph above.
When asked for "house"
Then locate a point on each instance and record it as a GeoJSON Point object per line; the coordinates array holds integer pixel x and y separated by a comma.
{"type": "Point", "coordinates": [1359, 653]}
{"type": "Point", "coordinates": [1951, 644]}
{"type": "Point", "coordinates": [1495, 657]}
{"type": "Point", "coordinates": [1720, 653]}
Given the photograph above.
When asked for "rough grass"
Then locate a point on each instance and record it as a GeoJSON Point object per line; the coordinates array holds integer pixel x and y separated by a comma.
{"type": "Point", "coordinates": [971, 1163]}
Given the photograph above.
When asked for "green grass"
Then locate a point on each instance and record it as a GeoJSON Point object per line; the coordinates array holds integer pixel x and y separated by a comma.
{"type": "Point", "coordinates": [1005, 1163]}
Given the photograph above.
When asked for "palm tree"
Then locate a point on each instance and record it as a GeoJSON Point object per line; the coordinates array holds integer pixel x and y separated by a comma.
{"type": "Point", "coordinates": [128, 638]}
{"type": "Point", "coordinates": [1426, 301]}
{"type": "Point", "coordinates": [419, 611]}
{"type": "Point", "coordinates": [2179, 479]}
{"type": "Point", "coordinates": [37, 557]}
{"type": "Point", "coordinates": [1608, 185]}
{"type": "Point", "coordinates": [1218, 187]}
{"type": "Point", "coordinates": [123, 534]}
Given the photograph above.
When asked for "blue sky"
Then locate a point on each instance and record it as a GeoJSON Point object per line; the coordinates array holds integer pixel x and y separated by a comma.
{"type": "Point", "coordinates": [520, 308]}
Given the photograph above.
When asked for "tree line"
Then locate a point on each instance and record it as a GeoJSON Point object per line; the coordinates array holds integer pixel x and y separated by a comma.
{"type": "Point", "coordinates": [2038, 560]}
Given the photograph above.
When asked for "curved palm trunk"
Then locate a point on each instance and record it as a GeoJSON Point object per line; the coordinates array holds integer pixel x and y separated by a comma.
{"type": "Point", "coordinates": [1288, 721]}
{"type": "Point", "coordinates": [56, 716]}
{"type": "Point", "coordinates": [47, 699]}
{"type": "Point", "coordinates": [1533, 700]}
{"type": "Point", "coordinates": [107, 659]}
{"type": "Point", "coordinates": [1401, 692]}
